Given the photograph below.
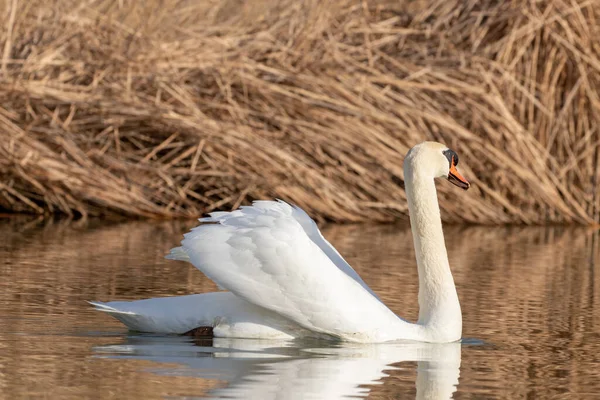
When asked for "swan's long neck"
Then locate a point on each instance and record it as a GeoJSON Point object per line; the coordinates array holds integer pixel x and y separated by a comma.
{"type": "Point", "coordinates": [439, 309]}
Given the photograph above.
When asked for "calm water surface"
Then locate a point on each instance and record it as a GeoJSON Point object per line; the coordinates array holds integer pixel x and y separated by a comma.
{"type": "Point", "coordinates": [530, 300]}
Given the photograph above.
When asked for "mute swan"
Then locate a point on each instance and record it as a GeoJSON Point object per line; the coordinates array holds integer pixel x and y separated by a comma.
{"type": "Point", "coordinates": [286, 281]}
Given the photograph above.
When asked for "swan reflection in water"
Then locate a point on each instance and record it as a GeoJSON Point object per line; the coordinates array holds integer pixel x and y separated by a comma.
{"type": "Point", "coordinates": [261, 369]}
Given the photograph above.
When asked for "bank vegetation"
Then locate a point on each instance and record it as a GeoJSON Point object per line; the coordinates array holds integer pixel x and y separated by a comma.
{"type": "Point", "coordinates": [172, 108]}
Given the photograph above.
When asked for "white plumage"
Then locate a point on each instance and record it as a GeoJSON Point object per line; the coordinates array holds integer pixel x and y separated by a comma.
{"type": "Point", "coordinates": [285, 280]}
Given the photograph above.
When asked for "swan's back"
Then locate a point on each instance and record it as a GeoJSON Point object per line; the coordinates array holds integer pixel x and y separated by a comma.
{"type": "Point", "coordinates": [273, 255]}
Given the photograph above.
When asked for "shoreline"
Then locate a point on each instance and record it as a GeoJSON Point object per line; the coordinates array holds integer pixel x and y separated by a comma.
{"type": "Point", "coordinates": [124, 111]}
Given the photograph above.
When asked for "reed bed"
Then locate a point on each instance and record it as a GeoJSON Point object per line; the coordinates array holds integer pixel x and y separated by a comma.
{"type": "Point", "coordinates": [172, 108]}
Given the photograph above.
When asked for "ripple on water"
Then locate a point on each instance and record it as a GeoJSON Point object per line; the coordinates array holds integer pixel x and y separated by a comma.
{"type": "Point", "coordinates": [529, 298]}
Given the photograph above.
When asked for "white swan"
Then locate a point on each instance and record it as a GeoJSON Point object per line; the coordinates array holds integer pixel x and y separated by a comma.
{"type": "Point", "coordinates": [286, 281]}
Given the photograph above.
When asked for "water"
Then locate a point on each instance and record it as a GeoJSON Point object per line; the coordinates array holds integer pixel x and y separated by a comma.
{"type": "Point", "coordinates": [530, 300]}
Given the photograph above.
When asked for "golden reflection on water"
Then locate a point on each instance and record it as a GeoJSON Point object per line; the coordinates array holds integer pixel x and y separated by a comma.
{"type": "Point", "coordinates": [530, 294]}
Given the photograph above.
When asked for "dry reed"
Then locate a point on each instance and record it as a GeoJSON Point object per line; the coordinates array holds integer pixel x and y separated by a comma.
{"type": "Point", "coordinates": [173, 108]}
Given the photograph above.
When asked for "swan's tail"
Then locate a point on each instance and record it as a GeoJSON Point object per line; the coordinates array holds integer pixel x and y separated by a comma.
{"type": "Point", "coordinates": [178, 254]}
{"type": "Point", "coordinates": [134, 321]}
{"type": "Point", "coordinates": [104, 307]}
{"type": "Point", "coordinates": [158, 315]}
{"type": "Point", "coordinates": [177, 314]}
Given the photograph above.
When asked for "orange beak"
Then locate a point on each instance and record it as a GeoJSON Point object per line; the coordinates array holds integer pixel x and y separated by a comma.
{"type": "Point", "coordinates": [457, 179]}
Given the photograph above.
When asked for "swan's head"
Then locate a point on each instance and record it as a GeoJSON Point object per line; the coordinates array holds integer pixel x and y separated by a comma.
{"type": "Point", "coordinates": [436, 160]}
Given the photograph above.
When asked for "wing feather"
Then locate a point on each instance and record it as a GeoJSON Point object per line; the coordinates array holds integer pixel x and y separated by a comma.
{"type": "Point", "coordinates": [313, 232]}
{"type": "Point", "coordinates": [263, 254]}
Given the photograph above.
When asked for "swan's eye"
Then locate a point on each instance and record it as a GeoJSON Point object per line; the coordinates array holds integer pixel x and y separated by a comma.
{"type": "Point", "coordinates": [452, 157]}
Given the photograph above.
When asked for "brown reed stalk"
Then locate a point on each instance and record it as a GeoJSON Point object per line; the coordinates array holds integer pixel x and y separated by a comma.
{"type": "Point", "coordinates": [171, 108]}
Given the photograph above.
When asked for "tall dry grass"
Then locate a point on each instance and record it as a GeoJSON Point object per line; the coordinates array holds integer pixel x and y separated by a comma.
{"type": "Point", "coordinates": [176, 107]}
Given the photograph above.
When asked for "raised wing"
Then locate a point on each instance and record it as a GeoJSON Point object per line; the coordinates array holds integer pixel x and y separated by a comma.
{"type": "Point", "coordinates": [262, 254]}
{"type": "Point", "coordinates": [313, 232]}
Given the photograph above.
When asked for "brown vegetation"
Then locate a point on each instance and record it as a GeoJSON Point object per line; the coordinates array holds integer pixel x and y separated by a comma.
{"type": "Point", "coordinates": [174, 107]}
